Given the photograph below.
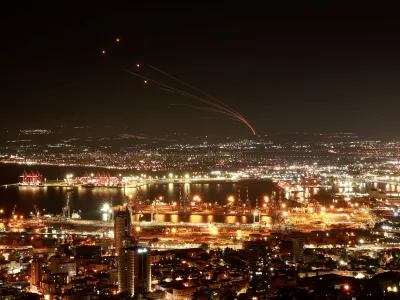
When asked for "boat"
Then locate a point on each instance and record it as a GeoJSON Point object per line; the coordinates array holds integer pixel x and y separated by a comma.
{"type": "Point", "coordinates": [115, 186]}
{"type": "Point", "coordinates": [75, 216]}
{"type": "Point", "coordinates": [30, 185]}
{"type": "Point", "coordinates": [88, 185]}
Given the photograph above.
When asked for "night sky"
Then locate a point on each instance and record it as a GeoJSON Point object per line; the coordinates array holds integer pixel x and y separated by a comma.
{"type": "Point", "coordinates": [325, 69]}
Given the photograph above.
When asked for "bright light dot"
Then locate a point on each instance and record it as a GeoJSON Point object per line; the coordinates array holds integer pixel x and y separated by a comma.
{"type": "Point", "coordinates": [106, 207]}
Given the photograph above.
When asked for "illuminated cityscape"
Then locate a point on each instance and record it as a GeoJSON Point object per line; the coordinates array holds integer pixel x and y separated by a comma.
{"type": "Point", "coordinates": [123, 175]}
{"type": "Point", "coordinates": [323, 216]}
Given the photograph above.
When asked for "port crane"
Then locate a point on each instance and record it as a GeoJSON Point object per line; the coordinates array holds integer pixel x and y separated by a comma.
{"type": "Point", "coordinates": [36, 211]}
{"type": "Point", "coordinates": [13, 210]}
{"type": "Point", "coordinates": [66, 209]}
{"type": "Point", "coordinates": [154, 210]}
{"type": "Point", "coordinates": [184, 206]}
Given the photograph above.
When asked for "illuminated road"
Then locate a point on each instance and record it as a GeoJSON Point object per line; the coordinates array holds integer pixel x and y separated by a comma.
{"type": "Point", "coordinates": [133, 183]}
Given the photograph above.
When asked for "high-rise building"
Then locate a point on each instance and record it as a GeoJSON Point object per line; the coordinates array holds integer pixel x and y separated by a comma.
{"type": "Point", "coordinates": [122, 227]}
{"type": "Point", "coordinates": [55, 262]}
{"type": "Point", "coordinates": [35, 274]}
{"type": "Point", "coordinates": [68, 267]}
{"type": "Point", "coordinates": [296, 247]}
{"type": "Point", "coordinates": [85, 251]}
{"type": "Point", "coordinates": [54, 283]}
{"type": "Point", "coordinates": [134, 270]}
{"type": "Point", "coordinates": [257, 265]}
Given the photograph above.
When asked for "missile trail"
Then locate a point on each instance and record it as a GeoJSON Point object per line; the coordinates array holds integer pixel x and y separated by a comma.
{"type": "Point", "coordinates": [217, 108]}
{"type": "Point", "coordinates": [214, 105]}
{"type": "Point", "coordinates": [194, 88]}
{"type": "Point", "coordinates": [229, 113]}
{"type": "Point", "coordinates": [169, 88]}
{"type": "Point", "coordinates": [197, 98]}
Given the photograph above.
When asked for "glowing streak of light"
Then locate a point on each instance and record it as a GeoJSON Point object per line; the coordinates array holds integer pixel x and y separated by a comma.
{"type": "Point", "coordinates": [196, 89]}
{"type": "Point", "coordinates": [174, 90]}
{"type": "Point", "coordinates": [225, 112]}
{"type": "Point", "coordinates": [218, 109]}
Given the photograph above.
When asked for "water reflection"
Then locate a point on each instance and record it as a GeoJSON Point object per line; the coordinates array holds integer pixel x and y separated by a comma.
{"type": "Point", "coordinates": [90, 200]}
{"type": "Point", "coordinates": [175, 218]}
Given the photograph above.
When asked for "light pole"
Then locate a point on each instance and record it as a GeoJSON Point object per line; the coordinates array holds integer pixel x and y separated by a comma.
{"type": "Point", "coordinates": [107, 212]}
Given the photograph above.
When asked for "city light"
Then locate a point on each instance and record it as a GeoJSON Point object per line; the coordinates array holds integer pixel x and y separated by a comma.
{"type": "Point", "coordinates": [196, 198]}
{"type": "Point", "coordinates": [105, 207]}
{"type": "Point", "coordinates": [168, 203]}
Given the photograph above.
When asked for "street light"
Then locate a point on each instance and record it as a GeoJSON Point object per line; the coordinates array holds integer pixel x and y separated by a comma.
{"type": "Point", "coordinates": [106, 207]}
{"type": "Point", "coordinates": [107, 212]}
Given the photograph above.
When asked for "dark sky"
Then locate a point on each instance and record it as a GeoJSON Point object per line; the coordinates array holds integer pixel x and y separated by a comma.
{"type": "Point", "coordinates": [286, 69]}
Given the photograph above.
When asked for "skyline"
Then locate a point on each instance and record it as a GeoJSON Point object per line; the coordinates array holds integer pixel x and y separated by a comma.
{"type": "Point", "coordinates": [285, 71]}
